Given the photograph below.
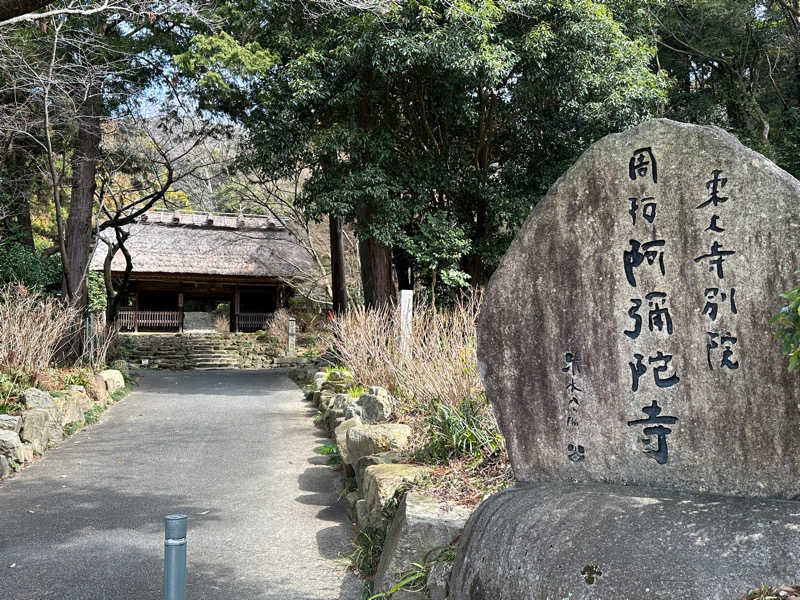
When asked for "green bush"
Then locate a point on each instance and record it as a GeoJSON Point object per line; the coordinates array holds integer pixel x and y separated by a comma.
{"type": "Point", "coordinates": [92, 415]}
{"type": "Point", "coordinates": [23, 265]}
{"type": "Point", "coordinates": [71, 428]}
{"type": "Point", "coordinates": [97, 292]}
{"type": "Point", "coordinates": [788, 328]}
{"type": "Point", "coordinates": [464, 431]}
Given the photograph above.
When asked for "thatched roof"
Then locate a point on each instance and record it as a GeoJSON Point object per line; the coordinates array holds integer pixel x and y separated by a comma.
{"type": "Point", "coordinates": [231, 245]}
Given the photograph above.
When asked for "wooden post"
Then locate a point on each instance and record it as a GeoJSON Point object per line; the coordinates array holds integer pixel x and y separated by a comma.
{"type": "Point", "coordinates": [292, 350]}
{"type": "Point", "coordinates": [406, 311]}
{"type": "Point", "coordinates": [136, 312]}
{"type": "Point", "coordinates": [237, 296]}
{"type": "Point", "coordinates": [180, 312]}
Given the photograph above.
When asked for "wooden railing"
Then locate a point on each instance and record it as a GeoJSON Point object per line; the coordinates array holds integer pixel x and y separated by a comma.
{"type": "Point", "coordinates": [253, 321]}
{"type": "Point", "coordinates": [130, 320]}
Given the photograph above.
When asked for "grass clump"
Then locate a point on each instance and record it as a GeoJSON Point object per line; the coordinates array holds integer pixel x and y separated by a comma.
{"type": "Point", "coordinates": [783, 592]}
{"type": "Point", "coordinates": [72, 427]}
{"type": "Point", "coordinates": [466, 430]}
{"type": "Point", "coordinates": [415, 578]}
{"type": "Point", "coordinates": [331, 451]}
{"type": "Point", "coordinates": [92, 415]}
{"type": "Point", "coordinates": [356, 391]}
{"type": "Point", "coordinates": [368, 545]}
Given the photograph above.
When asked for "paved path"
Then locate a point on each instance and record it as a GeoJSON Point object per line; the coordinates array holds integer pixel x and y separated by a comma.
{"type": "Point", "coordinates": [232, 449]}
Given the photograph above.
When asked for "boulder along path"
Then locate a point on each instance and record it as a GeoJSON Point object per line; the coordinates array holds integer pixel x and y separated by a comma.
{"type": "Point", "coordinates": [233, 450]}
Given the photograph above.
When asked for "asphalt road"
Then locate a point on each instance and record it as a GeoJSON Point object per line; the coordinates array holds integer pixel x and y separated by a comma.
{"type": "Point", "coordinates": [234, 450]}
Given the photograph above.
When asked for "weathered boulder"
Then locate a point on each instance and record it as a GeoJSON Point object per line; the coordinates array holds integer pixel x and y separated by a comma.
{"type": "Point", "coordinates": [556, 540]}
{"type": "Point", "coordinates": [80, 398]}
{"type": "Point", "coordinates": [33, 398]}
{"type": "Point", "coordinates": [375, 406]}
{"type": "Point", "coordinates": [364, 440]}
{"type": "Point", "coordinates": [27, 451]}
{"type": "Point", "coordinates": [420, 525]}
{"type": "Point", "coordinates": [625, 336]}
{"type": "Point", "coordinates": [382, 481]}
{"type": "Point", "coordinates": [326, 399]}
{"type": "Point", "coordinates": [113, 378]}
{"type": "Point", "coordinates": [11, 446]}
{"type": "Point", "coordinates": [35, 429]}
{"type": "Point", "coordinates": [66, 409]}
{"type": "Point", "coordinates": [97, 390]}
{"type": "Point", "coordinates": [381, 458]}
{"type": "Point", "coordinates": [340, 435]}
{"type": "Point", "coordinates": [438, 582]}
{"type": "Point", "coordinates": [121, 366]}
{"type": "Point", "coordinates": [10, 422]}
{"type": "Point", "coordinates": [5, 468]}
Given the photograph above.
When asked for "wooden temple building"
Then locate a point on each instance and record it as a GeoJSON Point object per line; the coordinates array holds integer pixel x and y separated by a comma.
{"type": "Point", "coordinates": [198, 263]}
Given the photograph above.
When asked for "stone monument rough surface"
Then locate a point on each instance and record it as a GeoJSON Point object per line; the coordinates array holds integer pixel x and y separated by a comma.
{"type": "Point", "coordinates": [626, 337]}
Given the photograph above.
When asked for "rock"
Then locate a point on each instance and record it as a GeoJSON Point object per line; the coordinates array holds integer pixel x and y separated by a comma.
{"type": "Point", "coordinates": [10, 423]}
{"type": "Point", "coordinates": [114, 379]}
{"type": "Point", "coordinates": [5, 468]}
{"type": "Point", "coordinates": [439, 580]}
{"type": "Point", "coordinates": [625, 335]}
{"type": "Point", "coordinates": [382, 481]}
{"type": "Point", "coordinates": [364, 516]}
{"type": "Point", "coordinates": [364, 440]}
{"type": "Point", "coordinates": [97, 390]}
{"type": "Point", "coordinates": [11, 446]}
{"type": "Point", "coordinates": [121, 366]}
{"type": "Point", "coordinates": [340, 435]}
{"type": "Point", "coordinates": [326, 399]}
{"type": "Point", "coordinates": [27, 451]}
{"type": "Point", "coordinates": [33, 398]}
{"type": "Point", "coordinates": [35, 429]}
{"type": "Point", "coordinates": [555, 540]}
{"type": "Point", "coordinates": [373, 459]}
{"type": "Point", "coordinates": [81, 399]}
{"type": "Point", "coordinates": [375, 406]}
{"type": "Point", "coordinates": [350, 499]}
{"type": "Point", "coordinates": [69, 409]}
{"type": "Point", "coordinates": [421, 524]}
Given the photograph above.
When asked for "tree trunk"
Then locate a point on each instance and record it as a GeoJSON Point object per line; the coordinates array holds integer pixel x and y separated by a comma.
{"type": "Point", "coordinates": [376, 273]}
{"type": "Point", "coordinates": [338, 277]}
{"type": "Point", "coordinates": [79, 223]}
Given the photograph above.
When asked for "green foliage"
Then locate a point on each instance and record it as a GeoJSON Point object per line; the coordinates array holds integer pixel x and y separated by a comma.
{"type": "Point", "coordinates": [465, 431]}
{"type": "Point", "coordinates": [415, 578]}
{"type": "Point", "coordinates": [432, 127]}
{"type": "Point", "coordinates": [368, 545]}
{"type": "Point", "coordinates": [23, 265]}
{"type": "Point", "coordinates": [11, 408]}
{"type": "Point", "coordinates": [97, 292]}
{"type": "Point", "coordinates": [356, 391]}
{"type": "Point", "coordinates": [331, 451]}
{"type": "Point", "coordinates": [72, 427]}
{"type": "Point", "coordinates": [92, 415]}
{"type": "Point", "coordinates": [787, 332]}
{"type": "Point", "coordinates": [81, 376]}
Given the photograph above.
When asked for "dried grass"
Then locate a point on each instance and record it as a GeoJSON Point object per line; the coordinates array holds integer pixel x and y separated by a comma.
{"type": "Point", "coordinates": [33, 329]}
{"type": "Point", "coordinates": [278, 326]}
{"type": "Point", "coordinates": [222, 324]}
{"type": "Point", "coordinates": [438, 360]}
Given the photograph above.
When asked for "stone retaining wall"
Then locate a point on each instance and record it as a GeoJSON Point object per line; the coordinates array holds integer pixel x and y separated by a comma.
{"type": "Point", "coordinates": [42, 424]}
{"type": "Point", "coordinates": [416, 525]}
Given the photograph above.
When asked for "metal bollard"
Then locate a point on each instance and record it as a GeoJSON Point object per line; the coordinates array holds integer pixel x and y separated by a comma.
{"type": "Point", "coordinates": [175, 557]}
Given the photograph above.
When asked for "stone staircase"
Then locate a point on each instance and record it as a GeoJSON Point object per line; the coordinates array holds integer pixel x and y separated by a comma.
{"type": "Point", "coordinates": [210, 351]}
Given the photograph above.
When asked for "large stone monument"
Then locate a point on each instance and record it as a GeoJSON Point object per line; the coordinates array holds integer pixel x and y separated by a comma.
{"type": "Point", "coordinates": [625, 339]}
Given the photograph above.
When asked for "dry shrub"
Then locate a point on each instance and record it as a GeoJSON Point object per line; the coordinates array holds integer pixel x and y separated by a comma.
{"type": "Point", "coordinates": [278, 326]}
{"type": "Point", "coordinates": [222, 323]}
{"type": "Point", "coordinates": [439, 359]}
{"type": "Point", "coordinates": [33, 329]}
